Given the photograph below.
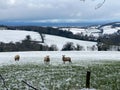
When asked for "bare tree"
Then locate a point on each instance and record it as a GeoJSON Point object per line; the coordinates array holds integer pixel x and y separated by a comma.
{"type": "Point", "coordinates": [42, 37]}
{"type": "Point", "coordinates": [100, 4]}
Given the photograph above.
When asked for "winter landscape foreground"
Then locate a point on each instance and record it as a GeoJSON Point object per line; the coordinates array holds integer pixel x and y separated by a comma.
{"type": "Point", "coordinates": [78, 57]}
{"type": "Point", "coordinates": [104, 67]}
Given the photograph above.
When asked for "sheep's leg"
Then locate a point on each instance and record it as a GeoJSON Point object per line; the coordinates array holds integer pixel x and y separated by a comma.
{"type": "Point", "coordinates": [70, 61]}
{"type": "Point", "coordinates": [44, 62]}
{"type": "Point", "coordinates": [47, 62]}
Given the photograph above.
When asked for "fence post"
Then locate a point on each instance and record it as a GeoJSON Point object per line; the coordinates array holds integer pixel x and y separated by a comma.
{"type": "Point", "coordinates": [88, 79]}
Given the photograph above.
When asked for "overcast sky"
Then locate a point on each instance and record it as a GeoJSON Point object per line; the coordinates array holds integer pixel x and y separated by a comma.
{"type": "Point", "coordinates": [58, 10]}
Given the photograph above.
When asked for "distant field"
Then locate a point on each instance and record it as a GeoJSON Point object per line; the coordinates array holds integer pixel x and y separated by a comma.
{"type": "Point", "coordinates": [104, 76]}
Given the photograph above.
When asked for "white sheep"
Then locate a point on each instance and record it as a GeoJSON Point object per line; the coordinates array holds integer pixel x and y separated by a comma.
{"type": "Point", "coordinates": [47, 59]}
{"type": "Point", "coordinates": [65, 59]}
{"type": "Point", "coordinates": [17, 57]}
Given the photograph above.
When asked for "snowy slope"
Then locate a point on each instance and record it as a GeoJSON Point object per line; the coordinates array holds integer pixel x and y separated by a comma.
{"type": "Point", "coordinates": [60, 41]}
{"type": "Point", "coordinates": [85, 31]}
{"type": "Point", "coordinates": [109, 30]}
{"type": "Point", "coordinates": [18, 35]}
{"type": "Point", "coordinates": [74, 30]}
{"type": "Point", "coordinates": [95, 30]}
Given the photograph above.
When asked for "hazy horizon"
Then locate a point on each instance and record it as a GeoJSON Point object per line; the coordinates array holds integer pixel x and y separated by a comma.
{"type": "Point", "coordinates": [60, 11]}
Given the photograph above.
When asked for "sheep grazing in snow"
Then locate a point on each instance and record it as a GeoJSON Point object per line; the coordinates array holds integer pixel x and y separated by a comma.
{"type": "Point", "coordinates": [47, 60]}
{"type": "Point", "coordinates": [65, 59]}
{"type": "Point", "coordinates": [17, 57]}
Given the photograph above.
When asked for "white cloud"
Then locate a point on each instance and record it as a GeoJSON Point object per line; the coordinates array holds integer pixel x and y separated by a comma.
{"type": "Point", "coordinates": [12, 2]}
{"type": "Point", "coordinates": [60, 10]}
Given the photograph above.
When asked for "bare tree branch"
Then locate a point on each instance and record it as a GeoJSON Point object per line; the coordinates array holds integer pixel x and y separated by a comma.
{"type": "Point", "coordinates": [100, 4]}
{"type": "Point", "coordinates": [4, 84]}
{"type": "Point", "coordinates": [29, 85]}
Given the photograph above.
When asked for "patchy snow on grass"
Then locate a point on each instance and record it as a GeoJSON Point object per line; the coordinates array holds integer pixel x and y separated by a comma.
{"type": "Point", "coordinates": [59, 76]}
{"type": "Point", "coordinates": [87, 89]}
{"type": "Point", "coordinates": [108, 29]}
{"type": "Point", "coordinates": [89, 31]}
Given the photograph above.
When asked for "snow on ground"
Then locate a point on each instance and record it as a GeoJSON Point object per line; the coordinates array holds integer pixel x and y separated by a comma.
{"type": "Point", "coordinates": [77, 30]}
{"type": "Point", "coordinates": [89, 31]}
{"type": "Point", "coordinates": [78, 57]}
{"type": "Point", "coordinates": [109, 30]}
{"type": "Point", "coordinates": [88, 89]}
{"type": "Point", "coordinates": [60, 41]}
{"type": "Point", "coordinates": [17, 35]}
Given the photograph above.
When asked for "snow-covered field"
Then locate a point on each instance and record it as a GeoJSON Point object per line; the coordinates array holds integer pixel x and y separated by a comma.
{"type": "Point", "coordinates": [57, 76]}
{"type": "Point", "coordinates": [78, 57]}
{"type": "Point", "coordinates": [75, 30]}
{"type": "Point", "coordinates": [93, 30]}
{"type": "Point", "coordinates": [60, 41]}
{"type": "Point", "coordinates": [18, 35]}
{"type": "Point", "coordinates": [104, 67]}
{"type": "Point", "coordinates": [109, 29]}
{"type": "Point", "coordinates": [88, 31]}
{"type": "Point", "coordinates": [7, 36]}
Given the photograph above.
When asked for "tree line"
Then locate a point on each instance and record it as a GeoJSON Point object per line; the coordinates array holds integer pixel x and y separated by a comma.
{"type": "Point", "coordinates": [108, 41]}
{"type": "Point", "coordinates": [25, 45]}
{"type": "Point", "coordinates": [54, 31]}
{"type": "Point", "coordinates": [104, 42]}
{"type": "Point", "coordinates": [28, 45]}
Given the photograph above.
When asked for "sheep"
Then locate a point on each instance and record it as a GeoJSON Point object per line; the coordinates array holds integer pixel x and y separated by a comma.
{"type": "Point", "coordinates": [65, 59]}
{"type": "Point", "coordinates": [17, 57]}
{"type": "Point", "coordinates": [47, 59]}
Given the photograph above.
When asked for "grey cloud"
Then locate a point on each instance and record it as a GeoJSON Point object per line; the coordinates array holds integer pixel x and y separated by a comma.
{"type": "Point", "coordinates": [60, 10]}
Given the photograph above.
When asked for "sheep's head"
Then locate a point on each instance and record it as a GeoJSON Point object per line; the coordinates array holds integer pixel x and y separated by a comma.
{"type": "Point", "coordinates": [47, 56]}
{"type": "Point", "coordinates": [63, 55]}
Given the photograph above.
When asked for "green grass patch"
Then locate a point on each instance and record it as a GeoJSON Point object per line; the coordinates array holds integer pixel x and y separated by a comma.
{"type": "Point", "coordinates": [104, 76]}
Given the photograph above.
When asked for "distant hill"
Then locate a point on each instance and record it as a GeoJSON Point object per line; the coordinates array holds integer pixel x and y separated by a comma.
{"type": "Point", "coordinates": [8, 36]}
{"type": "Point", "coordinates": [14, 36]}
{"type": "Point", "coordinates": [87, 33]}
{"type": "Point", "coordinates": [106, 35]}
{"type": "Point", "coordinates": [95, 30]}
{"type": "Point", "coordinates": [50, 24]}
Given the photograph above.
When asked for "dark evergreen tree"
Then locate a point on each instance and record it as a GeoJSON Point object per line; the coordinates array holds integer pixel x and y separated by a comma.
{"type": "Point", "coordinates": [53, 48]}
{"type": "Point", "coordinates": [68, 46]}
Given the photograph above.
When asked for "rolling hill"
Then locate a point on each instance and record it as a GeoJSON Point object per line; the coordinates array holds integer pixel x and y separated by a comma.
{"type": "Point", "coordinates": [95, 30]}
{"type": "Point", "coordinates": [7, 36]}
